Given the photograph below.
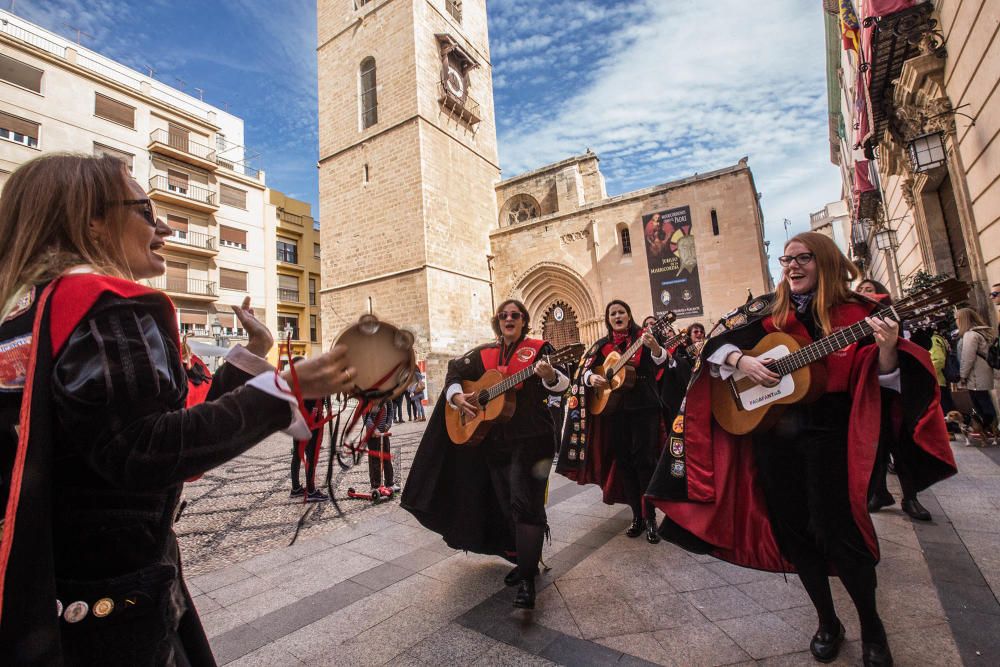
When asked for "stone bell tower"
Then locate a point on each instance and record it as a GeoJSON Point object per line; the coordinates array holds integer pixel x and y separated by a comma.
{"type": "Point", "coordinates": [408, 163]}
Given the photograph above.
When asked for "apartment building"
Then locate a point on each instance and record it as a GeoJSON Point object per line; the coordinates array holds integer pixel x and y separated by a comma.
{"type": "Point", "coordinates": [295, 277]}
{"type": "Point", "coordinates": [58, 96]}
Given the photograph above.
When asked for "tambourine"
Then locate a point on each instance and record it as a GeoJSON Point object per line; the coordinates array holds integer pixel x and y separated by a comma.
{"type": "Point", "coordinates": [382, 356]}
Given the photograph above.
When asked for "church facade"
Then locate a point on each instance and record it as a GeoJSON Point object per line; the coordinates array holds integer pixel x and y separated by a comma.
{"type": "Point", "coordinates": [419, 228]}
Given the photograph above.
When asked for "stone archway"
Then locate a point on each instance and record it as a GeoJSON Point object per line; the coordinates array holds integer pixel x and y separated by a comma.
{"type": "Point", "coordinates": [548, 283]}
{"type": "Point", "coordinates": [559, 325]}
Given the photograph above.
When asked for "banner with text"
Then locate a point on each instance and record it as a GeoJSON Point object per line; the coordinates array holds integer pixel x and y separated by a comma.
{"type": "Point", "coordinates": [673, 262]}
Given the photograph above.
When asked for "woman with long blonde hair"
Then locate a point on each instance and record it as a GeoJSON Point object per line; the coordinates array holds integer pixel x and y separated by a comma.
{"type": "Point", "coordinates": [974, 340]}
{"type": "Point", "coordinates": [95, 439]}
{"type": "Point", "coordinates": [792, 495]}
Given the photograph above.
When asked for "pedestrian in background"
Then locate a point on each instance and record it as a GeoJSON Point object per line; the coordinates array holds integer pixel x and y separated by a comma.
{"type": "Point", "coordinates": [974, 340]}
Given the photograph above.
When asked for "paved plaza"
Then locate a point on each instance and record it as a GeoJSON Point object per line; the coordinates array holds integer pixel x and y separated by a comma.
{"type": "Point", "coordinates": [372, 587]}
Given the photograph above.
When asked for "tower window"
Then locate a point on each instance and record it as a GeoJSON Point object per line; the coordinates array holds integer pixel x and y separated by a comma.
{"type": "Point", "coordinates": [454, 8]}
{"type": "Point", "coordinates": [369, 96]}
{"type": "Point", "coordinates": [715, 223]}
{"type": "Point", "coordinates": [626, 241]}
{"type": "Point", "coordinates": [365, 176]}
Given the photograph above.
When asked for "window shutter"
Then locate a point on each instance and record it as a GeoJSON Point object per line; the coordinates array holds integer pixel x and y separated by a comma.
{"type": "Point", "coordinates": [19, 125]}
{"type": "Point", "coordinates": [115, 111]}
{"type": "Point", "coordinates": [232, 235]}
{"type": "Point", "coordinates": [288, 282]}
{"type": "Point", "coordinates": [227, 320]}
{"type": "Point", "coordinates": [232, 196]}
{"type": "Point", "coordinates": [177, 223]}
{"type": "Point", "coordinates": [177, 137]}
{"type": "Point", "coordinates": [20, 74]}
{"type": "Point", "coordinates": [230, 279]}
{"type": "Point", "coordinates": [177, 179]}
{"type": "Point", "coordinates": [197, 318]}
{"type": "Point", "coordinates": [127, 158]}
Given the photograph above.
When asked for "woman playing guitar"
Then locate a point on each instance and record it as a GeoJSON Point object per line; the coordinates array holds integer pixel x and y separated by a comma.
{"type": "Point", "coordinates": [791, 496]}
{"type": "Point", "coordinates": [490, 498]}
{"type": "Point", "coordinates": [618, 448]}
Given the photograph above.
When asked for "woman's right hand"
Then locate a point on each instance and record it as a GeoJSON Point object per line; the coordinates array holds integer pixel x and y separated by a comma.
{"type": "Point", "coordinates": [754, 368]}
{"type": "Point", "coordinates": [598, 381]}
{"type": "Point", "coordinates": [465, 403]}
{"type": "Point", "coordinates": [326, 374]}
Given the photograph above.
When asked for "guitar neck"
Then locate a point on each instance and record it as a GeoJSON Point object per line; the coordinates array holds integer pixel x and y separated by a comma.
{"type": "Point", "coordinates": [826, 346]}
{"type": "Point", "coordinates": [667, 344]}
{"type": "Point", "coordinates": [511, 381]}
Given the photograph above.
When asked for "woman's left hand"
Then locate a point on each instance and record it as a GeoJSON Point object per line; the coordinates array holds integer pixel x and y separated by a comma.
{"type": "Point", "coordinates": [650, 341]}
{"type": "Point", "coordinates": [545, 371]}
{"type": "Point", "coordinates": [886, 333]}
{"type": "Point", "coordinates": [260, 339]}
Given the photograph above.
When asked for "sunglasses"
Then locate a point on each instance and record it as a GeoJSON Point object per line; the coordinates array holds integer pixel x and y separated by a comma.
{"type": "Point", "coordinates": [802, 259]}
{"type": "Point", "coordinates": [516, 315]}
{"type": "Point", "coordinates": [147, 209]}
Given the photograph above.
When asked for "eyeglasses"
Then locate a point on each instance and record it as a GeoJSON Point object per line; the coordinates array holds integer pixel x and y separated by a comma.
{"type": "Point", "coordinates": [802, 259]}
{"type": "Point", "coordinates": [147, 209]}
{"type": "Point", "coordinates": [516, 315]}
{"type": "Point", "coordinates": [994, 295]}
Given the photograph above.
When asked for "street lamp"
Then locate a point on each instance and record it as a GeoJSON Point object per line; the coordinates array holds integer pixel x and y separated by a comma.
{"type": "Point", "coordinates": [885, 239]}
{"type": "Point", "coordinates": [926, 152]}
{"type": "Point", "coordinates": [220, 339]}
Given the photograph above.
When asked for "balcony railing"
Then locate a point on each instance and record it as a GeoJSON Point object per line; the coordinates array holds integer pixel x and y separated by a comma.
{"type": "Point", "coordinates": [194, 239]}
{"type": "Point", "coordinates": [466, 110]}
{"type": "Point", "coordinates": [184, 285]}
{"type": "Point", "coordinates": [239, 168]}
{"type": "Point", "coordinates": [182, 142]}
{"type": "Point", "coordinates": [192, 192]}
{"type": "Point", "coordinates": [285, 216]}
{"type": "Point", "coordinates": [288, 295]}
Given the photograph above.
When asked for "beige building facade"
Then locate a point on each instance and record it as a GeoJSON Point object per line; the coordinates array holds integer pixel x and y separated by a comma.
{"type": "Point", "coordinates": [834, 220]}
{"type": "Point", "coordinates": [295, 277]}
{"type": "Point", "coordinates": [188, 155]}
{"type": "Point", "coordinates": [928, 194]}
{"type": "Point", "coordinates": [420, 229]}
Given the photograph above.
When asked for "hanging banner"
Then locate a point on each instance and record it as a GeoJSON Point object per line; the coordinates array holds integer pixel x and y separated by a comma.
{"type": "Point", "coordinates": [673, 262]}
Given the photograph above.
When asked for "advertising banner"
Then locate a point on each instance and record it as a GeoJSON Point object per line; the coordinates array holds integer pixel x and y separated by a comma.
{"type": "Point", "coordinates": [673, 262]}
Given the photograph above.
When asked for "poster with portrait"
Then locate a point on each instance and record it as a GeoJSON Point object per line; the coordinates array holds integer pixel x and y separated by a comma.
{"type": "Point", "coordinates": [673, 262]}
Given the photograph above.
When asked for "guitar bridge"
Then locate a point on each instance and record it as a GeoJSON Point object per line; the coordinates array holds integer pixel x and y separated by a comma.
{"type": "Point", "coordinates": [731, 383]}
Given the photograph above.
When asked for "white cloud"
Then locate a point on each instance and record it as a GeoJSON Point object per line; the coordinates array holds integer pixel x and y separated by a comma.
{"type": "Point", "coordinates": [690, 87]}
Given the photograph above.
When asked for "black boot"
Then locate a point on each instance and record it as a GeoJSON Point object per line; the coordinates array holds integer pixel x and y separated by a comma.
{"type": "Point", "coordinates": [826, 645]}
{"type": "Point", "coordinates": [525, 598]}
{"type": "Point", "coordinates": [651, 535]}
{"type": "Point", "coordinates": [513, 577]}
{"type": "Point", "coordinates": [635, 528]}
{"type": "Point", "coordinates": [916, 511]}
{"type": "Point", "coordinates": [876, 655]}
{"type": "Point", "coordinates": [879, 500]}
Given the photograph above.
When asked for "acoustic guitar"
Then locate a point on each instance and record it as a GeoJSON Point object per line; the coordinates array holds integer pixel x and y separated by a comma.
{"type": "Point", "coordinates": [495, 399]}
{"type": "Point", "coordinates": [619, 373]}
{"type": "Point", "coordinates": [741, 406]}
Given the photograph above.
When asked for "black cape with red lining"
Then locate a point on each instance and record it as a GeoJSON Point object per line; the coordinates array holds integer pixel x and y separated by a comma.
{"type": "Point", "coordinates": [585, 454]}
{"type": "Point", "coordinates": [705, 485]}
{"type": "Point", "coordinates": [30, 630]}
{"type": "Point", "coordinates": [448, 488]}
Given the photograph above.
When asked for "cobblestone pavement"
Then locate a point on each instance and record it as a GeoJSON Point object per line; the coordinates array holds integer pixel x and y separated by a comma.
{"type": "Point", "coordinates": [242, 509]}
{"type": "Point", "coordinates": [376, 588]}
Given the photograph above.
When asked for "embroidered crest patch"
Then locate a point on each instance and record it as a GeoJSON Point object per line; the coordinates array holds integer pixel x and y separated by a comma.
{"type": "Point", "coordinates": [572, 455]}
{"type": "Point", "coordinates": [756, 305]}
{"type": "Point", "coordinates": [526, 354]}
{"type": "Point", "coordinates": [677, 447]}
{"type": "Point", "coordinates": [572, 402]}
{"type": "Point", "coordinates": [678, 424]}
{"type": "Point", "coordinates": [737, 320]}
{"type": "Point", "coordinates": [22, 305]}
{"type": "Point", "coordinates": [677, 468]}
{"type": "Point", "coordinates": [14, 357]}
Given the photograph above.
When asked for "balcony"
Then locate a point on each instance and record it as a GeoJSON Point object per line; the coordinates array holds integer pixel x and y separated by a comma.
{"type": "Point", "coordinates": [189, 196]}
{"type": "Point", "coordinates": [193, 243]}
{"type": "Point", "coordinates": [179, 146]}
{"type": "Point", "coordinates": [240, 168]}
{"type": "Point", "coordinates": [290, 295]}
{"type": "Point", "coordinates": [192, 289]}
{"type": "Point", "coordinates": [292, 218]}
{"type": "Point", "coordinates": [466, 110]}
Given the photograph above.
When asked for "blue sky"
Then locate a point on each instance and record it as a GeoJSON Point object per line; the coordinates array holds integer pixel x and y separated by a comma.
{"type": "Point", "coordinates": [659, 89]}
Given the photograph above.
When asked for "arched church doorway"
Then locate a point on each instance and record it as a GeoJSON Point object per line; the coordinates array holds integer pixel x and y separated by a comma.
{"type": "Point", "coordinates": [559, 325]}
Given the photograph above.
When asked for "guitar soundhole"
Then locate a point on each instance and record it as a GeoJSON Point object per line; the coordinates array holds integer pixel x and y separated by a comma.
{"type": "Point", "coordinates": [483, 398]}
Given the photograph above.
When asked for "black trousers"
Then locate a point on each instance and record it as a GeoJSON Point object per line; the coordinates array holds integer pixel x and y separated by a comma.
{"type": "Point", "coordinates": [886, 446]}
{"type": "Point", "coordinates": [519, 474]}
{"type": "Point", "coordinates": [312, 456]}
{"type": "Point", "coordinates": [380, 461]}
{"type": "Point", "coordinates": [635, 434]}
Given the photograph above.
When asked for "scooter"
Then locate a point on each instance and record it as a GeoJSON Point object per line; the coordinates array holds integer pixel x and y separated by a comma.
{"type": "Point", "coordinates": [375, 495]}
